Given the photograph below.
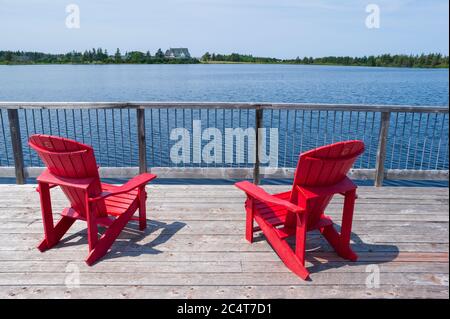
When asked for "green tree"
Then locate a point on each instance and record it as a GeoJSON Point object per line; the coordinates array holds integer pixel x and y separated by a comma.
{"type": "Point", "coordinates": [206, 57]}
{"type": "Point", "coordinates": [435, 60]}
{"type": "Point", "coordinates": [135, 57]}
{"type": "Point", "coordinates": [159, 54]}
{"type": "Point", "coordinates": [117, 56]}
{"type": "Point", "coordinates": [8, 56]}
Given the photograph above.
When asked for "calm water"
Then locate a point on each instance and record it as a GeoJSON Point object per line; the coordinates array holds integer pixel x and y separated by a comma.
{"type": "Point", "coordinates": [260, 83]}
{"type": "Point", "coordinates": [252, 83]}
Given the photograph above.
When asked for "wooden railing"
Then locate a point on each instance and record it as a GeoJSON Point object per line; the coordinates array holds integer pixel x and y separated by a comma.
{"type": "Point", "coordinates": [403, 132]}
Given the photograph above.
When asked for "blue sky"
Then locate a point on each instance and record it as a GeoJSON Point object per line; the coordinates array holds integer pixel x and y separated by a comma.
{"type": "Point", "coordinates": [279, 28]}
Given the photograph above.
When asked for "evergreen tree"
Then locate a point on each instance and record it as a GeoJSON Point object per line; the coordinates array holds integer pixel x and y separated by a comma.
{"type": "Point", "coordinates": [117, 56]}
{"type": "Point", "coordinates": [159, 54]}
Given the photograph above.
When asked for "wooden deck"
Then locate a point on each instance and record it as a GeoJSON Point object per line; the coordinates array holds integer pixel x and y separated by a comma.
{"type": "Point", "coordinates": [195, 248]}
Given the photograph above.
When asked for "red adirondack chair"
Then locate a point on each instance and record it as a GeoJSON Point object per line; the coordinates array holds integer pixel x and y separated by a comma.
{"type": "Point", "coordinates": [72, 166]}
{"type": "Point", "coordinates": [320, 174]}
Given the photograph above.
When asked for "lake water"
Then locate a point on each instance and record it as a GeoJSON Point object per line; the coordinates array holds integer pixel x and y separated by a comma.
{"type": "Point", "coordinates": [255, 83]}
{"type": "Point", "coordinates": [231, 83]}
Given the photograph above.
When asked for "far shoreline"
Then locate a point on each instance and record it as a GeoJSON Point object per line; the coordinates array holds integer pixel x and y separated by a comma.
{"type": "Point", "coordinates": [238, 63]}
{"type": "Point", "coordinates": [182, 56]}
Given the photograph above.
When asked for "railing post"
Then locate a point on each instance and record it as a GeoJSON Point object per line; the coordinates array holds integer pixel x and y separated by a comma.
{"type": "Point", "coordinates": [381, 152]}
{"type": "Point", "coordinates": [16, 142]}
{"type": "Point", "coordinates": [258, 125]}
{"type": "Point", "coordinates": [141, 140]}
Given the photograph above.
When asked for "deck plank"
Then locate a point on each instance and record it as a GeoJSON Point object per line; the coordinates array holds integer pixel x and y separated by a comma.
{"type": "Point", "coordinates": [194, 248]}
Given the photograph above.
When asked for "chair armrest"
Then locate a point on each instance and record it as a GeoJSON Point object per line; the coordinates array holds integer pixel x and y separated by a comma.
{"type": "Point", "coordinates": [260, 194]}
{"type": "Point", "coordinates": [340, 188]}
{"type": "Point", "coordinates": [53, 180]}
{"type": "Point", "coordinates": [133, 183]}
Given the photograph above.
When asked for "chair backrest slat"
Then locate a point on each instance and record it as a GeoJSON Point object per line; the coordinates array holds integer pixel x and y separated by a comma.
{"type": "Point", "coordinates": [70, 159]}
{"type": "Point", "coordinates": [327, 165]}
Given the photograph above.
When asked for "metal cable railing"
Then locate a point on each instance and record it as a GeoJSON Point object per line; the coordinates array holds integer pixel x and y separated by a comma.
{"type": "Point", "coordinates": [406, 141]}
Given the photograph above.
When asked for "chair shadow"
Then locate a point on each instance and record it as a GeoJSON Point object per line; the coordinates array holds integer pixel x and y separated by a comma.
{"type": "Point", "coordinates": [368, 254]}
{"type": "Point", "coordinates": [127, 244]}
{"type": "Point", "coordinates": [321, 255]}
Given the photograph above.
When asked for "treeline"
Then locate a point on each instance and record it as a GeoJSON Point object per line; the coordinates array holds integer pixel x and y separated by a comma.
{"type": "Point", "coordinates": [433, 60]}
{"type": "Point", "coordinates": [237, 58]}
{"type": "Point", "coordinates": [100, 56]}
{"type": "Point", "coordinates": [94, 56]}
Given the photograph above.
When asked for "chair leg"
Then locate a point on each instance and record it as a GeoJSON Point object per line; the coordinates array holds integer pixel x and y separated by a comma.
{"type": "Point", "coordinates": [58, 232]}
{"type": "Point", "coordinates": [249, 220]}
{"type": "Point", "coordinates": [283, 249]}
{"type": "Point", "coordinates": [92, 228]}
{"type": "Point", "coordinates": [300, 234]}
{"type": "Point", "coordinates": [53, 234]}
{"type": "Point", "coordinates": [110, 235]}
{"type": "Point", "coordinates": [346, 229]}
{"type": "Point", "coordinates": [341, 242]}
{"type": "Point", "coordinates": [142, 195]}
{"type": "Point", "coordinates": [47, 215]}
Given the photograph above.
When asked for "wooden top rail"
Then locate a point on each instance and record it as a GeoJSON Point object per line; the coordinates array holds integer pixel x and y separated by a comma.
{"type": "Point", "coordinates": [225, 105]}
